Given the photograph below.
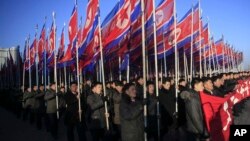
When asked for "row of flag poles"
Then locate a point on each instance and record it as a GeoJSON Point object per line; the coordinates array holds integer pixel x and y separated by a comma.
{"type": "Point", "coordinates": [135, 38]}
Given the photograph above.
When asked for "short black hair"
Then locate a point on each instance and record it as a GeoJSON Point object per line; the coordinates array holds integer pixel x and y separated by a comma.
{"type": "Point", "coordinates": [150, 83]}
{"type": "Point", "coordinates": [195, 81]}
{"type": "Point", "coordinates": [205, 79]}
{"type": "Point", "coordinates": [127, 86]}
{"type": "Point", "coordinates": [118, 83]}
{"type": "Point", "coordinates": [95, 84]}
{"type": "Point", "coordinates": [164, 80]}
{"type": "Point", "coordinates": [73, 82]}
{"type": "Point", "coordinates": [52, 83]}
{"type": "Point", "coordinates": [181, 80]}
{"type": "Point", "coordinates": [215, 78]}
{"type": "Point", "coordinates": [138, 78]}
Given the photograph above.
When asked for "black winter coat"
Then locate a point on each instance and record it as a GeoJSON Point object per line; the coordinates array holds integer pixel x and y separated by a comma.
{"type": "Point", "coordinates": [131, 114]}
{"type": "Point", "coordinates": [96, 111]}
{"type": "Point", "coordinates": [72, 110]}
{"type": "Point", "coordinates": [194, 114]}
{"type": "Point", "coordinates": [167, 107]}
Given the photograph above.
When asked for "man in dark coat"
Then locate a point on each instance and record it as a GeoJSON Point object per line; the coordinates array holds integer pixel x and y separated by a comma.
{"type": "Point", "coordinates": [117, 95]}
{"type": "Point", "coordinates": [139, 88]}
{"type": "Point", "coordinates": [167, 106]}
{"type": "Point", "coordinates": [95, 102]}
{"type": "Point", "coordinates": [39, 106]}
{"type": "Point", "coordinates": [72, 120]}
{"type": "Point", "coordinates": [131, 114]}
{"type": "Point", "coordinates": [217, 86]}
{"type": "Point", "coordinates": [195, 122]}
{"type": "Point", "coordinates": [208, 86]}
{"type": "Point", "coordinates": [152, 124]}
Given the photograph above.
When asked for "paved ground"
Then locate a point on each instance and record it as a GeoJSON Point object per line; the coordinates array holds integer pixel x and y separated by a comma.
{"type": "Point", "coordinates": [14, 129]}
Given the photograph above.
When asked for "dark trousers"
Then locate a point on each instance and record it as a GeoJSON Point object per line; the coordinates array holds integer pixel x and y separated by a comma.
{"type": "Point", "coordinates": [31, 116]}
{"type": "Point", "coordinates": [117, 129]}
{"type": "Point", "coordinates": [39, 116]}
{"type": "Point", "coordinates": [25, 114]}
{"type": "Point", "coordinates": [193, 137]}
{"type": "Point", "coordinates": [97, 134]}
{"type": "Point", "coordinates": [80, 131]}
{"type": "Point", "coordinates": [53, 127]}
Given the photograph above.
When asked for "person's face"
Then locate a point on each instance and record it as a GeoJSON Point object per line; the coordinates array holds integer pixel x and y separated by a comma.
{"type": "Point", "coordinates": [108, 85]}
{"type": "Point", "coordinates": [35, 88]}
{"type": "Point", "coordinates": [183, 83]}
{"type": "Point", "coordinates": [131, 92]}
{"type": "Point", "coordinates": [172, 82]}
{"type": "Point", "coordinates": [98, 89]}
{"type": "Point", "coordinates": [217, 83]}
{"type": "Point", "coordinates": [53, 87]}
{"type": "Point", "coordinates": [124, 82]}
{"type": "Point", "coordinates": [73, 88]}
{"type": "Point", "coordinates": [113, 85]}
{"type": "Point", "coordinates": [41, 88]}
{"type": "Point", "coordinates": [151, 89]}
{"type": "Point", "coordinates": [231, 76]}
{"type": "Point", "coordinates": [29, 89]}
{"type": "Point", "coordinates": [199, 87]}
{"type": "Point", "coordinates": [140, 81]}
{"type": "Point", "coordinates": [62, 90]}
{"type": "Point", "coordinates": [222, 81]}
{"type": "Point", "coordinates": [119, 89]}
{"type": "Point", "coordinates": [88, 82]}
{"type": "Point", "coordinates": [159, 84]}
{"type": "Point", "coordinates": [166, 85]}
{"type": "Point", "coordinates": [208, 85]}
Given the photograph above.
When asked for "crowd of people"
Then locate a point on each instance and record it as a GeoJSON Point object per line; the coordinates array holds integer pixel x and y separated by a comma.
{"type": "Point", "coordinates": [120, 115]}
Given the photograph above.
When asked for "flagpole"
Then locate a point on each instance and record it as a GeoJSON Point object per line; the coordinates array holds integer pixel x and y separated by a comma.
{"type": "Point", "coordinates": [165, 62]}
{"type": "Point", "coordinates": [65, 78]}
{"type": "Point", "coordinates": [36, 59]}
{"type": "Point", "coordinates": [213, 60]}
{"type": "Point", "coordinates": [80, 80]}
{"type": "Point", "coordinates": [55, 67]}
{"type": "Point", "coordinates": [120, 76]}
{"type": "Point", "coordinates": [144, 65]}
{"type": "Point", "coordinates": [24, 64]}
{"type": "Point", "coordinates": [29, 64]}
{"type": "Point", "coordinates": [102, 67]}
{"type": "Point", "coordinates": [209, 45]}
{"type": "Point", "coordinates": [78, 83]}
{"type": "Point", "coordinates": [201, 73]}
{"type": "Point", "coordinates": [156, 70]}
{"type": "Point", "coordinates": [191, 57]}
{"type": "Point", "coordinates": [176, 58]}
{"type": "Point", "coordinates": [128, 70]}
{"type": "Point", "coordinates": [223, 62]}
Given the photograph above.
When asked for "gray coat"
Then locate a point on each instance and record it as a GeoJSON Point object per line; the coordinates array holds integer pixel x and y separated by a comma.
{"type": "Point", "coordinates": [96, 108]}
{"type": "Point", "coordinates": [29, 100]}
{"type": "Point", "coordinates": [50, 98]}
{"type": "Point", "coordinates": [131, 114]}
{"type": "Point", "coordinates": [117, 100]}
{"type": "Point", "coordinates": [194, 114]}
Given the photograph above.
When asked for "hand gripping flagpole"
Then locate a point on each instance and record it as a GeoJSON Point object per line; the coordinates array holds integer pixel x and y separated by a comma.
{"type": "Point", "coordinates": [55, 69]}
{"type": "Point", "coordinates": [102, 67]}
{"type": "Point", "coordinates": [156, 71]}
